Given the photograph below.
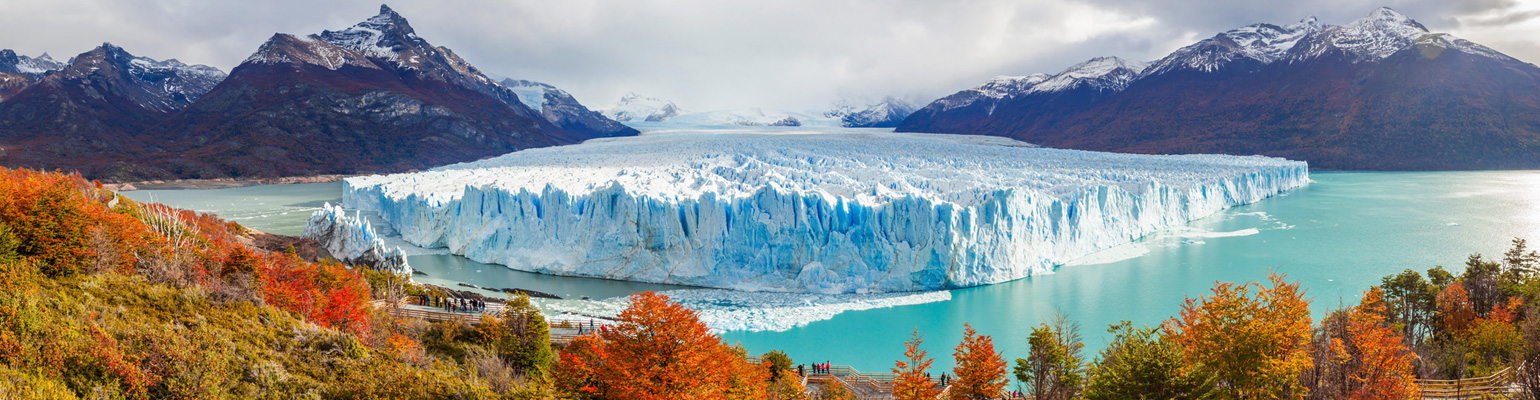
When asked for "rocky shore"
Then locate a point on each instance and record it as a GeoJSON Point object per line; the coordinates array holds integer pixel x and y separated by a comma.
{"type": "Point", "coordinates": [219, 183]}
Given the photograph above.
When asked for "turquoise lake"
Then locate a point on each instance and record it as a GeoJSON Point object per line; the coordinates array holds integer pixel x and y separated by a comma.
{"type": "Point", "coordinates": [1337, 236]}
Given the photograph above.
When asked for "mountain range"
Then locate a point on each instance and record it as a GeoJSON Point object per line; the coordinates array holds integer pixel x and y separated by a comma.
{"type": "Point", "coordinates": [1378, 93]}
{"type": "Point", "coordinates": [846, 112]}
{"type": "Point", "coordinates": [374, 97]}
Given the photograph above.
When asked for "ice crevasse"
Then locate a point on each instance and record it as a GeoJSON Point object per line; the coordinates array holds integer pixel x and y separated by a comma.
{"type": "Point", "coordinates": [844, 211]}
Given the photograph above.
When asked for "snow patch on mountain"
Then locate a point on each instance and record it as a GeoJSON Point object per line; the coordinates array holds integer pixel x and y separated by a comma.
{"type": "Point", "coordinates": [637, 108]}
{"type": "Point", "coordinates": [164, 86]}
{"type": "Point", "coordinates": [370, 36]}
{"type": "Point", "coordinates": [885, 113]}
{"type": "Point", "coordinates": [531, 93]}
{"type": "Point", "coordinates": [284, 48]}
{"type": "Point", "coordinates": [1101, 73]}
{"type": "Point", "coordinates": [837, 211]}
{"type": "Point", "coordinates": [12, 63]}
{"type": "Point", "coordinates": [1261, 43]}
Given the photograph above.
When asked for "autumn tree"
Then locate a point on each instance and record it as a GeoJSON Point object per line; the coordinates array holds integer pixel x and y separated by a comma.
{"type": "Point", "coordinates": [1455, 310]}
{"type": "Point", "coordinates": [1254, 338]}
{"type": "Point", "coordinates": [1142, 364]}
{"type": "Point", "coordinates": [1360, 356]}
{"type": "Point", "coordinates": [910, 382]}
{"type": "Point", "coordinates": [979, 370]}
{"type": "Point", "coordinates": [1493, 340]}
{"type": "Point", "coordinates": [784, 382]}
{"type": "Point", "coordinates": [658, 349]}
{"type": "Point", "coordinates": [520, 336]}
{"type": "Point", "coordinates": [1052, 369]}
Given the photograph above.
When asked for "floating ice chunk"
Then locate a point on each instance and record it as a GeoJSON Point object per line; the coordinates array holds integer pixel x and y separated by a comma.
{"type": "Point", "coordinates": [353, 241]}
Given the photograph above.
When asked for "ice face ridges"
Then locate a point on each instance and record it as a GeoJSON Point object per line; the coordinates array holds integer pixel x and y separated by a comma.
{"type": "Point", "coordinates": [828, 213]}
{"type": "Point", "coordinates": [353, 241]}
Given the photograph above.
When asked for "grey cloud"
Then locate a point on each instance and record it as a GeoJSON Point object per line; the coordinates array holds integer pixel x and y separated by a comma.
{"type": "Point", "coordinates": [705, 54]}
{"type": "Point", "coordinates": [1505, 19]}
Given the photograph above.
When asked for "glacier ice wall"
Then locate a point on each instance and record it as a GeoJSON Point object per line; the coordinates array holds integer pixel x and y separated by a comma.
{"type": "Point", "coordinates": [849, 211]}
{"type": "Point", "coordinates": [353, 241]}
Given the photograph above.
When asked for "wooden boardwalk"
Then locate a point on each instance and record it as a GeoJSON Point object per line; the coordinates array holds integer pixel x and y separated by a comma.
{"type": "Point", "coordinates": [1499, 385]}
{"type": "Point", "coordinates": [562, 331]}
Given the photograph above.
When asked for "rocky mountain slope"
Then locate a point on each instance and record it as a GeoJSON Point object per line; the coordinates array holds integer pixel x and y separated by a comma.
{"type": "Point", "coordinates": [96, 112]}
{"type": "Point", "coordinates": [17, 72]}
{"type": "Point", "coordinates": [565, 111]}
{"type": "Point", "coordinates": [637, 108]}
{"type": "Point", "coordinates": [374, 97]}
{"type": "Point", "coordinates": [886, 113]}
{"type": "Point", "coordinates": [1378, 93]}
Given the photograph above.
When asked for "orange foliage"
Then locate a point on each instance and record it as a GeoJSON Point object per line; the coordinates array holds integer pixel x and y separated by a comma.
{"type": "Point", "coordinates": [120, 364]}
{"type": "Point", "coordinates": [1254, 338]}
{"type": "Point", "coordinates": [327, 294]}
{"type": "Point", "coordinates": [55, 217]}
{"type": "Point", "coordinates": [911, 382]}
{"type": "Point", "coordinates": [1455, 309]}
{"type": "Point", "coordinates": [980, 370]}
{"type": "Point", "coordinates": [1381, 366]}
{"type": "Point", "coordinates": [64, 226]}
{"type": "Point", "coordinates": [657, 350]}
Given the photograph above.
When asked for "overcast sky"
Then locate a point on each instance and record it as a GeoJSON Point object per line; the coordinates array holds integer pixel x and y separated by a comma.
{"type": "Point", "coordinates": [719, 54]}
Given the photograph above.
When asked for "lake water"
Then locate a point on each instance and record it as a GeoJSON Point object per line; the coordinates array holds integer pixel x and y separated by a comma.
{"type": "Point", "coordinates": [1337, 236]}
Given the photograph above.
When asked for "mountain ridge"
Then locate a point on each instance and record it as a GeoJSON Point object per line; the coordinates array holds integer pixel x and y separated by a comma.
{"type": "Point", "coordinates": [1378, 93]}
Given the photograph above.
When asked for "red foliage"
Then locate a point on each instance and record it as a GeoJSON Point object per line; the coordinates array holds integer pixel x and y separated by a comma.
{"type": "Point", "coordinates": [327, 294]}
{"type": "Point", "coordinates": [1455, 309]}
{"type": "Point", "coordinates": [63, 225]}
{"type": "Point", "coordinates": [658, 350]}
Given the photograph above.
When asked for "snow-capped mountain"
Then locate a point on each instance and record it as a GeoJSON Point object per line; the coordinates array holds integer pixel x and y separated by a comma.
{"type": "Point", "coordinates": [562, 109]}
{"type": "Point", "coordinates": [160, 86]}
{"type": "Point", "coordinates": [886, 113]}
{"type": "Point", "coordinates": [1380, 92]}
{"type": "Point", "coordinates": [376, 91]}
{"type": "Point", "coordinates": [18, 71]}
{"type": "Point", "coordinates": [753, 116]}
{"type": "Point", "coordinates": [12, 63]}
{"type": "Point", "coordinates": [637, 108]}
{"type": "Point", "coordinates": [91, 112]}
{"type": "Point", "coordinates": [1102, 74]}
{"type": "Point", "coordinates": [1257, 44]}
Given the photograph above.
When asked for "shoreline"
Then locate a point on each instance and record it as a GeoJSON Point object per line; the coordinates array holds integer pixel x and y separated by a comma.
{"type": "Point", "coordinates": [220, 183]}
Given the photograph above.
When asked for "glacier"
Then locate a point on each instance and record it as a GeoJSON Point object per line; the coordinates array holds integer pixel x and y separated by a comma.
{"type": "Point", "coordinates": [797, 210]}
{"type": "Point", "coordinates": [353, 240]}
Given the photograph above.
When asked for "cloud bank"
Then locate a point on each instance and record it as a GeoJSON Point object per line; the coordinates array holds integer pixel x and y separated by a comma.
{"type": "Point", "coordinates": [704, 55]}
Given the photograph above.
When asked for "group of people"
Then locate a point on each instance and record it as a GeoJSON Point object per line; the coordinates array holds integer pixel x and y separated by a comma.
{"type": "Point", "coordinates": [457, 304]}
{"type": "Point", "coordinates": [825, 367]}
{"type": "Point", "coordinates": [817, 369]}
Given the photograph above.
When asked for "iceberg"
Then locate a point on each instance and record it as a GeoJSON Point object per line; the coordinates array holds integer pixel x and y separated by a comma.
{"type": "Point", "coordinates": [353, 241]}
{"type": "Point", "coordinates": [816, 211]}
